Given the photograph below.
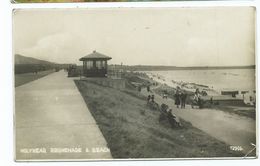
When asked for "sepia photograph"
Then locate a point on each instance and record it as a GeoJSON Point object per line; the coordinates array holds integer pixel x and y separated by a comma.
{"type": "Point", "coordinates": [134, 83]}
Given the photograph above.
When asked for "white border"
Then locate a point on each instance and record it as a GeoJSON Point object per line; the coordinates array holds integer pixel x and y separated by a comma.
{"type": "Point", "coordinates": [6, 82]}
{"type": "Point", "coordinates": [138, 4]}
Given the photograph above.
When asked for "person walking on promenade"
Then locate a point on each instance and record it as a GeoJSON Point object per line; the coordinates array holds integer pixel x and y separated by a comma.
{"type": "Point", "coordinates": [177, 99]}
{"type": "Point", "coordinates": [148, 99]}
{"type": "Point", "coordinates": [197, 99]}
{"type": "Point", "coordinates": [183, 99]}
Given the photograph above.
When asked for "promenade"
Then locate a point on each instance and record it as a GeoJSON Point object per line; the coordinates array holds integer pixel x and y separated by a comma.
{"type": "Point", "coordinates": [53, 122]}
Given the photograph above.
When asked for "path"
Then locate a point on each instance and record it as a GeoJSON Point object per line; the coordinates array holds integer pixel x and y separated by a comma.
{"type": "Point", "coordinates": [229, 128]}
{"type": "Point", "coordinates": [51, 113]}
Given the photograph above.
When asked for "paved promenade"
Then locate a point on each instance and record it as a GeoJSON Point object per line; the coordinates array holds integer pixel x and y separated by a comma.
{"type": "Point", "coordinates": [53, 122]}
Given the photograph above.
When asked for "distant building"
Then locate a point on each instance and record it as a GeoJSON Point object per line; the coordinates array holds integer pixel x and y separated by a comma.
{"type": "Point", "coordinates": [95, 64]}
{"type": "Point", "coordinates": [233, 93]}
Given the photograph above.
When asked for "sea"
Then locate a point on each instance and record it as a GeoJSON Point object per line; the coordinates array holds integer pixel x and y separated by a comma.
{"type": "Point", "coordinates": [217, 79]}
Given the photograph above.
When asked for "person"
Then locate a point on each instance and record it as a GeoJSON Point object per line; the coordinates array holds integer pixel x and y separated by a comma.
{"type": "Point", "coordinates": [197, 91]}
{"type": "Point", "coordinates": [197, 99]}
{"type": "Point", "coordinates": [148, 98]}
{"type": "Point", "coordinates": [177, 99]}
{"type": "Point", "coordinates": [164, 108]}
{"type": "Point", "coordinates": [152, 98]}
{"type": "Point", "coordinates": [211, 100]}
{"type": "Point", "coordinates": [148, 88]}
{"type": "Point", "coordinates": [165, 95]}
{"type": "Point", "coordinates": [183, 99]}
{"type": "Point", "coordinates": [172, 118]}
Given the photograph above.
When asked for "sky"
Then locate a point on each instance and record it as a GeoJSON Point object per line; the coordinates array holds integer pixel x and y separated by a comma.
{"type": "Point", "coordinates": [209, 36]}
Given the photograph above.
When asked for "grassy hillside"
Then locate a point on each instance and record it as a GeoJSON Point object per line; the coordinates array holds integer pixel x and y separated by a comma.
{"type": "Point", "coordinates": [132, 129]}
{"type": "Point", "coordinates": [19, 59]}
{"type": "Point", "coordinates": [27, 69]}
{"type": "Point", "coordinates": [25, 64]}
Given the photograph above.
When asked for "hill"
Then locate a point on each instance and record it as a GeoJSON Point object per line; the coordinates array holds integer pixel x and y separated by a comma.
{"type": "Point", "coordinates": [25, 64]}
{"type": "Point", "coordinates": [20, 59]}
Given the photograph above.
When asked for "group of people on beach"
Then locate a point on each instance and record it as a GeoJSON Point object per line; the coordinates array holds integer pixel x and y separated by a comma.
{"type": "Point", "coordinates": [180, 98]}
{"type": "Point", "coordinates": [197, 99]}
{"type": "Point", "coordinates": [166, 112]}
{"type": "Point", "coordinates": [150, 98]}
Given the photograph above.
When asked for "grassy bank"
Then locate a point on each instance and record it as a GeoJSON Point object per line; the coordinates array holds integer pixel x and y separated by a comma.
{"type": "Point", "coordinates": [21, 79]}
{"type": "Point", "coordinates": [132, 130]}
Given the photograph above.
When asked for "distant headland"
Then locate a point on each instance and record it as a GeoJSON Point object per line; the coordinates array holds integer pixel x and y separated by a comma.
{"type": "Point", "coordinates": [161, 68]}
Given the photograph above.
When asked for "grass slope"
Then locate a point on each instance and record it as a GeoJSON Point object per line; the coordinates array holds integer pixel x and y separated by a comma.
{"type": "Point", "coordinates": [19, 59]}
{"type": "Point", "coordinates": [21, 79]}
{"type": "Point", "coordinates": [132, 130]}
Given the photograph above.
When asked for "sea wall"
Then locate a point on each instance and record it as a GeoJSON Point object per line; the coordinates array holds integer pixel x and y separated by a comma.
{"type": "Point", "coordinates": [109, 82]}
{"type": "Point", "coordinates": [224, 100]}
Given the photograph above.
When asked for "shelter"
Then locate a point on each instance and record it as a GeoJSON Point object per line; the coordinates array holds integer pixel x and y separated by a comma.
{"type": "Point", "coordinates": [95, 64]}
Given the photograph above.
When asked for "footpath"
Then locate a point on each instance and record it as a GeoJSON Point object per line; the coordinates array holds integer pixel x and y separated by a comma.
{"type": "Point", "coordinates": [52, 121]}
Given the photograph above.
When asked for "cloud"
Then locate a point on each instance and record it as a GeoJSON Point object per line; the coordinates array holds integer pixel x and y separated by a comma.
{"type": "Point", "coordinates": [180, 37]}
{"type": "Point", "coordinates": [59, 47]}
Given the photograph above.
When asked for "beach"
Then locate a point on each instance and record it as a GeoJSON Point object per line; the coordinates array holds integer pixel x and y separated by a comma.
{"type": "Point", "coordinates": [214, 82]}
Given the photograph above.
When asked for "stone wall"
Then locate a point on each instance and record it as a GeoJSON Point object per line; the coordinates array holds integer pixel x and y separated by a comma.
{"type": "Point", "coordinates": [108, 82]}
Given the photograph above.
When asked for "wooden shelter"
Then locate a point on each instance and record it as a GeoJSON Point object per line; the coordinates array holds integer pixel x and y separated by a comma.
{"type": "Point", "coordinates": [95, 64]}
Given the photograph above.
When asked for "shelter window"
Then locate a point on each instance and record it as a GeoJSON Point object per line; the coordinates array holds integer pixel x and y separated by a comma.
{"type": "Point", "coordinates": [89, 64]}
{"type": "Point", "coordinates": [99, 64]}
